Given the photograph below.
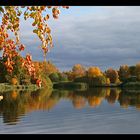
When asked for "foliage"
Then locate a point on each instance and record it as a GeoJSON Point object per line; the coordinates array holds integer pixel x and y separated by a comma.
{"type": "Point", "coordinates": [54, 77]}
{"type": "Point", "coordinates": [46, 68]}
{"type": "Point", "coordinates": [131, 79]}
{"type": "Point", "coordinates": [132, 70]}
{"type": "Point", "coordinates": [78, 70]}
{"type": "Point", "coordinates": [138, 71]}
{"type": "Point", "coordinates": [14, 81]}
{"type": "Point", "coordinates": [124, 72]}
{"type": "Point", "coordinates": [107, 81]}
{"type": "Point", "coordinates": [46, 82]}
{"type": "Point", "coordinates": [70, 75]}
{"type": "Point", "coordinates": [94, 72]}
{"type": "Point", "coordinates": [70, 85]}
{"type": "Point", "coordinates": [51, 68]}
{"type": "Point", "coordinates": [10, 21]}
{"type": "Point", "coordinates": [3, 72]}
{"type": "Point", "coordinates": [112, 75]}
{"type": "Point", "coordinates": [132, 85]}
{"type": "Point", "coordinates": [93, 81]}
{"type": "Point", "coordinates": [63, 77]}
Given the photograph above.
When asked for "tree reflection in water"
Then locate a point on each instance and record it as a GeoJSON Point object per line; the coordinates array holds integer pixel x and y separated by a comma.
{"type": "Point", "coordinates": [17, 103]}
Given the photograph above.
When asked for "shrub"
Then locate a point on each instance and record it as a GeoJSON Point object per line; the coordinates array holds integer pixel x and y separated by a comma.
{"type": "Point", "coordinates": [124, 72]}
{"type": "Point", "coordinates": [70, 85]}
{"type": "Point", "coordinates": [54, 77]}
{"type": "Point", "coordinates": [2, 72]}
{"type": "Point", "coordinates": [46, 82]}
{"type": "Point", "coordinates": [93, 81]}
{"type": "Point", "coordinates": [70, 75]}
{"type": "Point", "coordinates": [63, 77]}
{"type": "Point", "coordinates": [78, 70]}
{"type": "Point", "coordinates": [107, 81]}
{"type": "Point", "coordinates": [112, 75]}
{"type": "Point", "coordinates": [14, 81]}
{"type": "Point", "coordinates": [132, 70]}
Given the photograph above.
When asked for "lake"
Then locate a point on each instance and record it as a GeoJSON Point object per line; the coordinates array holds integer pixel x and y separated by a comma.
{"type": "Point", "coordinates": [98, 110]}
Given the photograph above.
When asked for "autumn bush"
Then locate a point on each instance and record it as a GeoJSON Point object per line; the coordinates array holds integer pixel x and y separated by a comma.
{"type": "Point", "coordinates": [51, 68]}
{"type": "Point", "coordinates": [93, 81]}
{"type": "Point", "coordinates": [46, 68]}
{"type": "Point", "coordinates": [78, 70]}
{"type": "Point", "coordinates": [94, 72]}
{"type": "Point", "coordinates": [46, 82]}
{"type": "Point", "coordinates": [14, 81]}
{"type": "Point", "coordinates": [112, 75]}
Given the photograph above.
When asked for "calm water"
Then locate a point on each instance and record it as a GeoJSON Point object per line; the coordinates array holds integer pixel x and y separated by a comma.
{"type": "Point", "coordinates": [62, 111]}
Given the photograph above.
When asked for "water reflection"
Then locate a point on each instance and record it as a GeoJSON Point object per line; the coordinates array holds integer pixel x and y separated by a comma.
{"type": "Point", "coordinates": [18, 103]}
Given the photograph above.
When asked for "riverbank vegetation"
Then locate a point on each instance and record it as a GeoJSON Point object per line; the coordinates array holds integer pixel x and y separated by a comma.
{"type": "Point", "coordinates": [125, 76]}
{"type": "Point", "coordinates": [79, 77]}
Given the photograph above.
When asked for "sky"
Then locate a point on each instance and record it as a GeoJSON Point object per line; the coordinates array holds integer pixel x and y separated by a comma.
{"type": "Point", "coordinates": [103, 36]}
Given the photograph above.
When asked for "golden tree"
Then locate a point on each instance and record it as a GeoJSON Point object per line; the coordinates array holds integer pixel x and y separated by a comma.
{"type": "Point", "coordinates": [112, 75]}
{"type": "Point", "coordinates": [94, 72]}
{"type": "Point", "coordinates": [78, 70]}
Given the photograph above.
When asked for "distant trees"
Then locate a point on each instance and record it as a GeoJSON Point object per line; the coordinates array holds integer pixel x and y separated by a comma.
{"type": "Point", "coordinates": [78, 70]}
{"type": "Point", "coordinates": [112, 75]}
{"type": "Point", "coordinates": [94, 72]}
{"type": "Point", "coordinates": [138, 71]}
{"type": "Point", "coordinates": [124, 72]}
{"type": "Point", "coordinates": [132, 70]}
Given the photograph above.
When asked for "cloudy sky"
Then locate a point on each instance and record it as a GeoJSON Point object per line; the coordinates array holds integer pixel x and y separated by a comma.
{"type": "Point", "coordinates": [93, 36]}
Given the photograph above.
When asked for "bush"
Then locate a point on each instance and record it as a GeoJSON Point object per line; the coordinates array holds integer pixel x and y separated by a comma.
{"type": "Point", "coordinates": [63, 77]}
{"type": "Point", "coordinates": [14, 81]}
{"type": "Point", "coordinates": [78, 70]}
{"type": "Point", "coordinates": [131, 79]}
{"type": "Point", "coordinates": [2, 72]}
{"type": "Point", "coordinates": [112, 75]}
{"type": "Point", "coordinates": [46, 82]}
{"type": "Point", "coordinates": [70, 85]}
{"type": "Point", "coordinates": [54, 77]}
{"type": "Point", "coordinates": [93, 81]}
